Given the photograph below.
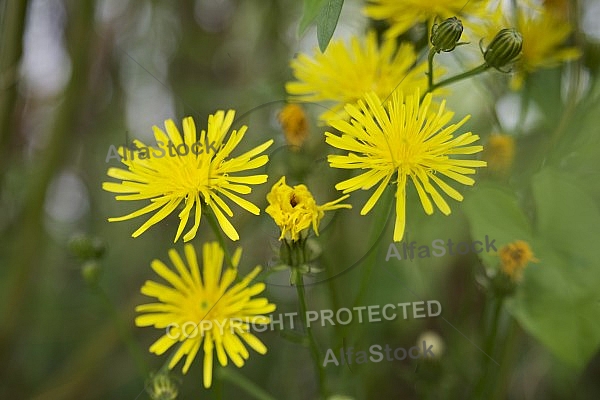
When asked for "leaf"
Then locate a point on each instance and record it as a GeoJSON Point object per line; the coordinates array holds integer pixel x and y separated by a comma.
{"type": "Point", "coordinates": [495, 212]}
{"type": "Point", "coordinates": [558, 301]}
{"type": "Point", "coordinates": [327, 21]}
{"type": "Point", "coordinates": [309, 13]}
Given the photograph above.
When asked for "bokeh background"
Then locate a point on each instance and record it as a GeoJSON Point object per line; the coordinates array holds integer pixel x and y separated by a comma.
{"type": "Point", "coordinates": [79, 76]}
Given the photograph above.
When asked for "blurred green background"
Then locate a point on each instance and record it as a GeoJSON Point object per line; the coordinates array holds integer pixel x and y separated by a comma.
{"type": "Point", "coordinates": [79, 76]}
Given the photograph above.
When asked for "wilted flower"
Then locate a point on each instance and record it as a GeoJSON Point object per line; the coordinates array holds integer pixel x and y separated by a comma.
{"type": "Point", "coordinates": [295, 210]}
{"type": "Point", "coordinates": [514, 257]}
{"type": "Point", "coordinates": [294, 123]}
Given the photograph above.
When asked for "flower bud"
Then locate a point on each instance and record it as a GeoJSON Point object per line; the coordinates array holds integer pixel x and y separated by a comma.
{"type": "Point", "coordinates": [504, 48]}
{"type": "Point", "coordinates": [91, 272]}
{"type": "Point", "coordinates": [445, 35]}
{"type": "Point", "coordinates": [86, 248]}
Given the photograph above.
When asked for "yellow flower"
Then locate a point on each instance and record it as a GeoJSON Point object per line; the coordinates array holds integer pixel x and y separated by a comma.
{"type": "Point", "coordinates": [344, 74]}
{"type": "Point", "coordinates": [294, 209]}
{"type": "Point", "coordinates": [402, 140]}
{"type": "Point", "coordinates": [195, 170]}
{"type": "Point", "coordinates": [204, 309]}
{"type": "Point", "coordinates": [499, 153]}
{"type": "Point", "coordinates": [544, 34]}
{"type": "Point", "coordinates": [404, 14]}
{"type": "Point", "coordinates": [294, 123]}
{"type": "Point", "coordinates": [514, 257]}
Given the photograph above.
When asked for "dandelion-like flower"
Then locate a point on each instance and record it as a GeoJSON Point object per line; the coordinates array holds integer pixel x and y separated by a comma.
{"type": "Point", "coordinates": [514, 257]}
{"type": "Point", "coordinates": [345, 73]}
{"type": "Point", "coordinates": [204, 309]}
{"type": "Point", "coordinates": [404, 14]}
{"type": "Point", "coordinates": [403, 140]}
{"type": "Point", "coordinates": [499, 153]}
{"type": "Point", "coordinates": [543, 31]}
{"type": "Point", "coordinates": [294, 209]}
{"type": "Point", "coordinates": [294, 123]}
{"type": "Point", "coordinates": [197, 173]}
{"type": "Point", "coordinates": [544, 35]}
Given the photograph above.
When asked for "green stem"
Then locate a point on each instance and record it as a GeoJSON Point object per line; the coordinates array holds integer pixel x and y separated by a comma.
{"type": "Point", "coordinates": [233, 376]}
{"type": "Point", "coordinates": [215, 227]}
{"type": "Point", "coordinates": [467, 74]}
{"type": "Point", "coordinates": [298, 281]}
{"type": "Point", "coordinates": [524, 107]}
{"type": "Point", "coordinates": [506, 360]}
{"type": "Point", "coordinates": [12, 26]}
{"type": "Point", "coordinates": [125, 333]}
{"type": "Point", "coordinates": [430, 65]}
{"type": "Point", "coordinates": [489, 349]}
{"type": "Point", "coordinates": [22, 263]}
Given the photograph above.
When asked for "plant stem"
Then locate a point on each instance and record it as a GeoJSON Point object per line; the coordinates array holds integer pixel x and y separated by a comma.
{"type": "Point", "coordinates": [22, 263]}
{"type": "Point", "coordinates": [298, 281]}
{"type": "Point", "coordinates": [489, 349]}
{"type": "Point", "coordinates": [430, 65]}
{"type": "Point", "coordinates": [233, 376]}
{"type": "Point", "coordinates": [467, 74]}
{"type": "Point", "coordinates": [12, 26]}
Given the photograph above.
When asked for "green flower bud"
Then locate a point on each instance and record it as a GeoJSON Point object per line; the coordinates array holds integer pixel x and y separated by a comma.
{"type": "Point", "coordinates": [445, 35]}
{"type": "Point", "coordinates": [91, 272]}
{"type": "Point", "coordinates": [504, 48]}
{"type": "Point", "coordinates": [86, 248]}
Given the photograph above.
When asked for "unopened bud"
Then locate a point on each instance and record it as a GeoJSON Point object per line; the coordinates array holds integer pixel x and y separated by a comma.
{"type": "Point", "coordinates": [91, 271]}
{"type": "Point", "coordinates": [504, 48]}
{"type": "Point", "coordinates": [86, 248]}
{"type": "Point", "coordinates": [445, 35]}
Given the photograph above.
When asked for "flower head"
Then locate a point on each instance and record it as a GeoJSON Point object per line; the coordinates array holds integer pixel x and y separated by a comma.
{"type": "Point", "coordinates": [514, 257]}
{"type": "Point", "coordinates": [294, 123]}
{"type": "Point", "coordinates": [404, 14]}
{"type": "Point", "coordinates": [499, 153]}
{"type": "Point", "coordinates": [196, 171]}
{"type": "Point", "coordinates": [401, 140]}
{"type": "Point", "coordinates": [294, 209]}
{"type": "Point", "coordinates": [543, 31]}
{"type": "Point", "coordinates": [204, 309]}
{"type": "Point", "coordinates": [544, 34]}
{"type": "Point", "coordinates": [344, 74]}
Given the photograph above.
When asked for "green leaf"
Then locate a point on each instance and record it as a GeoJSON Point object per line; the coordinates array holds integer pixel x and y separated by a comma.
{"type": "Point", "coordinates": [327, 21]}
{"type": "Point", "coordinates": [309, 13]}
{"type": "Point", "coordinates": [494, 211]}
{"type": "Point", "coordinates": [558, 301]}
